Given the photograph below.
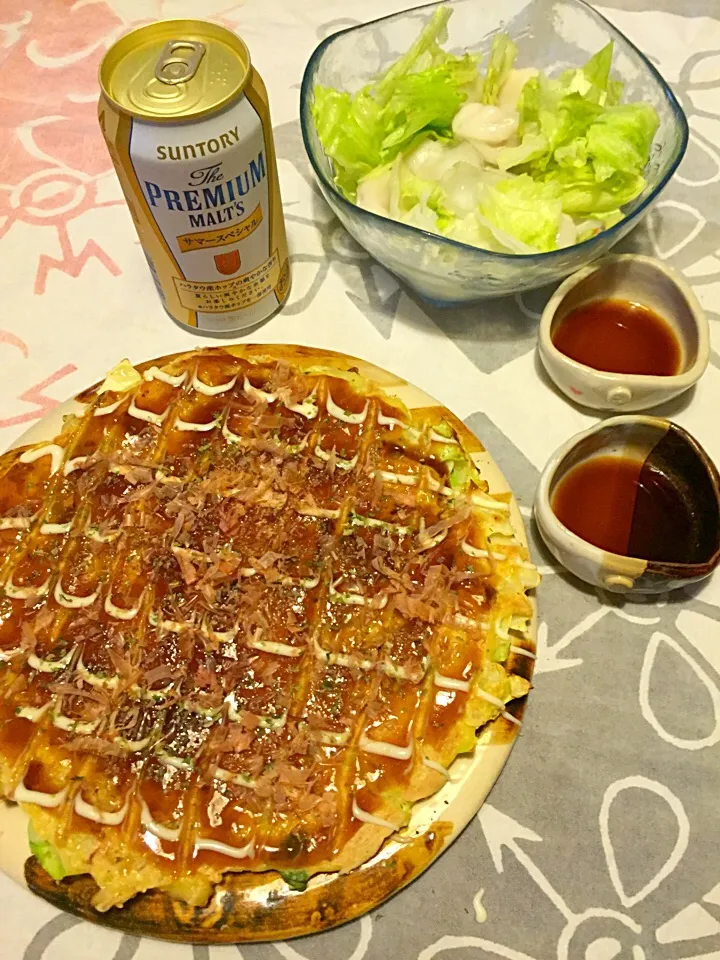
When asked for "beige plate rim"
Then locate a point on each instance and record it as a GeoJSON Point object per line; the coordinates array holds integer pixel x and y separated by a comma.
{"type": "Point", "coordinates": [472, 776]}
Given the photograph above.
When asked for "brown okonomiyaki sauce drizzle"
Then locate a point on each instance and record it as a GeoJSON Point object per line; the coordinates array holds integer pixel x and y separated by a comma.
{"type": "Point", "coordinates": [241, 613]}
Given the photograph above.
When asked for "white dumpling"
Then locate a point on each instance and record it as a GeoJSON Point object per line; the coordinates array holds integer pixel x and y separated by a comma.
{"type": "Point", "coordinates": [373, 193]}
{"type": "Point", "coordinates": [422, 160]}
{"type": "Point", "coordinates": [512, 88]}
{"type": "Point", "coordinates": [480, 123]}
{"type": "Point", "coordinates": [432, 159]}
{"type": "Point", "coordinates": [461, 185]}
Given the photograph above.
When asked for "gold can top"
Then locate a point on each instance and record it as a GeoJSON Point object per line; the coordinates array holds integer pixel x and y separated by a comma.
{"type": "Point", "coordinates": [175, 70]}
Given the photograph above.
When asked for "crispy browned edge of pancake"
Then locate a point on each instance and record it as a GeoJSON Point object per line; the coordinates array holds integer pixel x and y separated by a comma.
{"type": "Point", "coordinates": [252, 908]}
{"type": "Point", "coordinates": [73, 894]}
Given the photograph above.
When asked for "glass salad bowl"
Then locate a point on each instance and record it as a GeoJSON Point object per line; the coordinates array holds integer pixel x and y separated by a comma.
{"type": "Point", "coordinates": [550, 35]}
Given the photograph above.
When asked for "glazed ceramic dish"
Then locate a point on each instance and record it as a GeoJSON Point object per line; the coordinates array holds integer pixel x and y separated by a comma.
{"type": "Point", "coordinates": [641, 280]}
{"type": "Point", "coordinates": [550, 35]}
{"type": "Point", "coordinates": [671, 451]}
{"type": "Point", "coordinates": [219, 738]}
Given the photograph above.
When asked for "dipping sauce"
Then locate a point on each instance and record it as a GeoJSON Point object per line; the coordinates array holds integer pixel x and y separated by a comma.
{"type": "Point", "coordinates": [619, 337]}
{"type": "Point", "coordinates": [628, 507]}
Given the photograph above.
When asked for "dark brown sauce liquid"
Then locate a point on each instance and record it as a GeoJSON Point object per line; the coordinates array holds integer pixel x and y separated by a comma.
{"type": "Point", "coordinates": [628, 507]}
{"type": "Point", "coordinates": [619, 337]}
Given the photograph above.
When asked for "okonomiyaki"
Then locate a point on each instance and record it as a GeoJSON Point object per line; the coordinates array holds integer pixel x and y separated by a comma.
{"type": "Point", "coordinates": [253, 607]}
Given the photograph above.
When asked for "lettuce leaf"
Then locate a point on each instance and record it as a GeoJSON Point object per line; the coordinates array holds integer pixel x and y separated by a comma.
{"type": "Point", "coordinates": [592, 81]}
{"type": "Point", "coordinates": [596, 149]}
{"type": "Point", "coordinates": [468, 229]}
{"type": "Point", "coordinates": [582, 195]}
{"type": "Point", "coordinates": [502, 58]}
{"type": "Point", "coordinates": [433, 33]}
{"type": "Point", "coordinates": [573, 154]}
{"type": "Point", "coordinates": [560, 115]}
{"type": "Point", "coordinates": [620, 139]}
{"type": "Point", "coordinates": [416, 97]}
{"type": "Point", "coordinates": [414, 200]}
{"type": "Point", "coordinates": [348, 128]}
{"type": "Point", "coordinates": [47, 855]}
{"type": "Point", "coordinates": [532, 147]}
{"type": "Point", "coordinates": [425, 101]}
{"type": "Point", "coordinates": [528, 209]}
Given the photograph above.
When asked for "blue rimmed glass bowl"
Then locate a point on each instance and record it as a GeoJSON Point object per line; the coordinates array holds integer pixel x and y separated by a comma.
{"type": "Point", "coordinates": [550, 35]}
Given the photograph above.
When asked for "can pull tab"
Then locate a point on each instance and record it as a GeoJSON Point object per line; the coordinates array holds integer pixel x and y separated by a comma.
{"type": "Point", "coordinates": [179, 61]}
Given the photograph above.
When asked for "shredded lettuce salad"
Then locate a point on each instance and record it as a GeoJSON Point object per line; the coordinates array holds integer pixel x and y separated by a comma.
{"type": "Point", "coordinates": [506, 159]}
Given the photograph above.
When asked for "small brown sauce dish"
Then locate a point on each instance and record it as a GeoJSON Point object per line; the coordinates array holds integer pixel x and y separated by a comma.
{"type": "Point", "coordinates": [632, 505]}
{"type": "Point", "coordinates": [625, 332]}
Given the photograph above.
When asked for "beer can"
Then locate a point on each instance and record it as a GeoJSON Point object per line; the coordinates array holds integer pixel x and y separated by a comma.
{"type": "Point", "coordinates": [185, 118]}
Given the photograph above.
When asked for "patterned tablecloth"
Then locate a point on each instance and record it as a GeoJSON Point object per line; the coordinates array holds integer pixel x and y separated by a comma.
{"type": "Point", "coordinates": [601, 838]}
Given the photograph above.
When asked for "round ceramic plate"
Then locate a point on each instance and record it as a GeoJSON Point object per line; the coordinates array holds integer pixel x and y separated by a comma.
{"type": "Point", "coordinates": [250, 906]}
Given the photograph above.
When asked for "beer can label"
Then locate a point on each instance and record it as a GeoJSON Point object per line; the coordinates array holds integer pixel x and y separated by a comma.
{"type": "Point", "coordinates": [206, 204]}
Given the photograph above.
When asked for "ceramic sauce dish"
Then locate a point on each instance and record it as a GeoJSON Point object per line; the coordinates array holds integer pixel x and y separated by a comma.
{"type": "Point", "coordinates": [640, 505]}
{"type": "Point", "coordinates": [632, 279]}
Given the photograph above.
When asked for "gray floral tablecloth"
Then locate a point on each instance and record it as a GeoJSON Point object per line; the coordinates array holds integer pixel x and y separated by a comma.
{"type": "Point", "coordinates": [601, 840]}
